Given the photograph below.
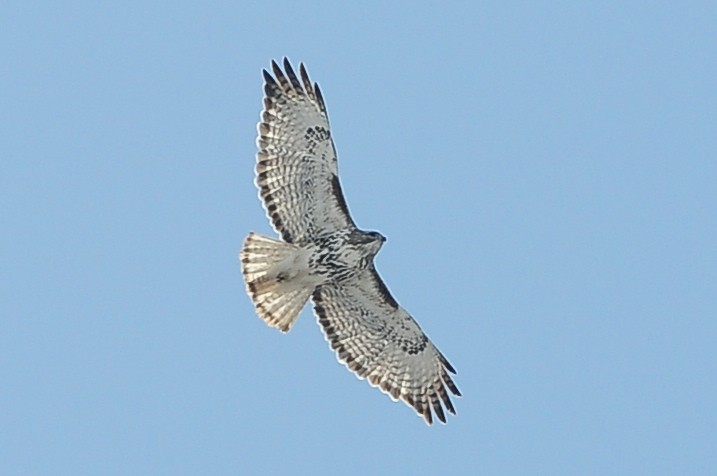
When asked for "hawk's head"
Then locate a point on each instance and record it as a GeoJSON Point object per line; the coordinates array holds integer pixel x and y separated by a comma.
{"type": "Point", "coordinates": [375, 242]}
{"type": "Point", "coordinates": [369, 241]}
{"type": "Point", "coordinates": [376, 236]}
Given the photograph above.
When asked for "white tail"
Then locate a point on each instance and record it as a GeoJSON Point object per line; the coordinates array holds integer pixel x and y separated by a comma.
{"type": "Point", "coordinates": [276, 276]}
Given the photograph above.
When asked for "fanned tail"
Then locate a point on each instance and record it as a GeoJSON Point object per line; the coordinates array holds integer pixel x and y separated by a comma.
{"type": "Point", "coordinates": [276, 276]}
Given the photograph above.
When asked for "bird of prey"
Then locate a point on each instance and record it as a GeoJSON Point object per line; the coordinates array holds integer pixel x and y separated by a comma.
{"type": "Point", "coordinates": [324, 256]}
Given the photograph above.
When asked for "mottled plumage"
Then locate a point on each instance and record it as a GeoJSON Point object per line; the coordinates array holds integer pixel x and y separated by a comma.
{"type": "Point", "coordinates": [324, 255]}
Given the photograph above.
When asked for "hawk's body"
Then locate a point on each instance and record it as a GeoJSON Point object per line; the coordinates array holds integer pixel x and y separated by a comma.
{"type": "Point", "coordinates": [324, 255]}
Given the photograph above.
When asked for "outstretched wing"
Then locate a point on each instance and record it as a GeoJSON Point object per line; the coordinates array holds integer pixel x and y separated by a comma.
{"type": "Point", "coordinates": [296, 166]}
{"type": "Point", "coordinates": [379, 341]}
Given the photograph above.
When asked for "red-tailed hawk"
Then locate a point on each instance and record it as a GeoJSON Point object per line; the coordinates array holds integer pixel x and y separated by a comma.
{"type": "Point", "coordinates": [324, 255]}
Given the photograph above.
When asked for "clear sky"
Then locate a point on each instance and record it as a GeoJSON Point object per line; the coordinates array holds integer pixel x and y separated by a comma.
{"type": "Point", "coordinates": [545, 173]}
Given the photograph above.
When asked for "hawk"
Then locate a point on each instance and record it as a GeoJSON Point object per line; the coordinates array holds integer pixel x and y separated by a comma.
{"type": "Point", "coordinates": [324, 256]}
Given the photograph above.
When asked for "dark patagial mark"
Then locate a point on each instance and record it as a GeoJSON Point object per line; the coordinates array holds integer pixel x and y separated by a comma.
{"type": "Point", "coordinates": [383, 290]}
{"type": "Point", "coordinates": [336, 188]}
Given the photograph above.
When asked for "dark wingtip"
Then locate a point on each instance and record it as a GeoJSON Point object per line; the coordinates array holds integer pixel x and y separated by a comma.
{"type": "Point", "coordinates": [446, 364]}
{"type": "Point", "coordinates": [308, 87]}
{"type": "Point", "coordinates": [278, 73]}
{"type": "Point", "coordinates": [319, 97]}
{"type": "Point", "coordinates": [292, 77]}
{"type": "Point", "coordinates": [268, 78]}
{"type": "Point", "coordinates": [427, 415]}
{"type": "Point", "coordinates": [439, 411]}
{"type": "Point", "coordinates": [303, 73]}
{"type": "Point", "coordinates": [275, 66]}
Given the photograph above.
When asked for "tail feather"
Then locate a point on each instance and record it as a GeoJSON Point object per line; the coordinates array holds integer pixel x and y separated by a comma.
{"type": "Point", "coordinates": [276, 276]}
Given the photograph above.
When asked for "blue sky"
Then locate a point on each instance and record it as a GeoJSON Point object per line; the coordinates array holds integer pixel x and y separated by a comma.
{"type": "Point", "coordinates": [545, 174]}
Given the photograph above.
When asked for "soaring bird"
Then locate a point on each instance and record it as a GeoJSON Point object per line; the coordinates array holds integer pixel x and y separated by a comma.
{"type": "Point", "coordinates": [324, 256]}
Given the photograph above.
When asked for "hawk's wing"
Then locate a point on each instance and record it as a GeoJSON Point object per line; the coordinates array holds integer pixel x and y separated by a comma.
{"type": "Point", "coordinates": [296, 166]}
{"type": "Point", "coordinates": [378, 340]}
